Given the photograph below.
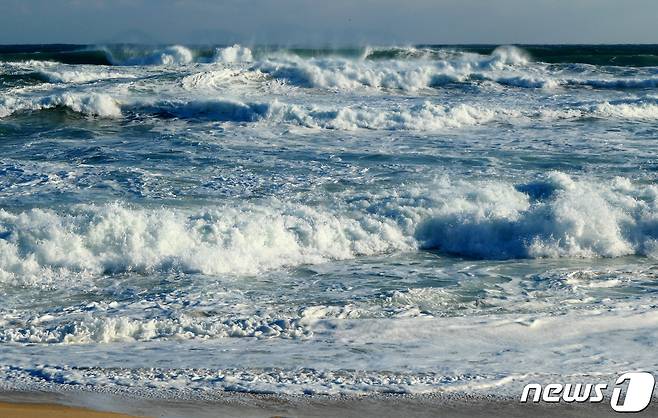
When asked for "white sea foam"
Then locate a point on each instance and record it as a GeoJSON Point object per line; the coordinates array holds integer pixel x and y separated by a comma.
{"type": "Point", "coordinates": [614, 83]}
{"type": "Point", "coordinates": [76, 75]}
{"type": "Point", "coordinates": [221, 79]}
{"type": "Point", "coordinates": [188, 383]}
{"type": "Point", "coordinates": [172, 55]}
{"type": "Point", "coordinates": [555, 217]}
{"type": "Point", "coordinates": [43, 245]}
{"type": "Point", "coordinates": [634, 110]}
{"type": "Point", "coordinates": [459, 341]}
{"type": "Point", "coordinates": [507, 55]}
{"type": "Point", "coordinates": [345, 74]}
{"type": "Point", "coordinates": [348, 74]}
{"type": "Point", "coordinates": [527, 81]}
{"type": "Point", "coordinates": [88, 329]}
{"type": "Point", "coordinates": [233, 54]}
{"type": "Point", "coordinates": [423, 117]}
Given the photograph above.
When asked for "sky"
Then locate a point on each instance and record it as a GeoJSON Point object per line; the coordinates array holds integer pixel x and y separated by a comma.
{"type": "Point", "coordinates": [332, 22]}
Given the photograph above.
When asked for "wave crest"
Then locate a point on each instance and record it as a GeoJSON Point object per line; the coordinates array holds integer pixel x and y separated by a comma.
{"type": "Point", "coordinates": [555, 216]}
{"type": "Point", "coordinates": [42, 245]}
{"type": "Point", "coordinates": [551, 218]}
{"type": "Point", "coordinates": [233, 54]}
{"type": "Point", "coordinates": [171, 55]}
{"type": "Point", "coordinates": [89, 329]}
{"type": "Point", "coordinates": [90, 104]}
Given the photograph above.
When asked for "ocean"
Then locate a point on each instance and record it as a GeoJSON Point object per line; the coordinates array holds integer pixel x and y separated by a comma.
{"type": "Point", "coordinates": [185, 221]}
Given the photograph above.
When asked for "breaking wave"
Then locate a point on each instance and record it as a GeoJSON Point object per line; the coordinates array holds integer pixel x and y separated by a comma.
{"type": "Point", "coordinates": [77, 75]}
{"type": "Point", "coordinates": [90, 104]}
{"type": "Point", "coordinates": [232, 54]}
{"type": "Point", "coordinates": [424, 116]}
{"type": "Point", "coordinates": [604, 55]}
{"type": "Point", "coordinates": [616, 83]}
{"type": "Point", "coordinates": [172, 55]}
{"type": "Point", "coordinates": [555, 216]}
{"type": "Point", "coordinates": [407, 69]}
{"type": "Point", "coordinates": [89, 329]}
{"type": "Point", "coordinates": [41, 245]}
{"type": "Point", "coordinates": [341, 73]}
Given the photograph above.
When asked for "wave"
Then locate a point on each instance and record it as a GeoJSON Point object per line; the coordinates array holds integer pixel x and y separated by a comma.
{"type": "Point", "coordinates": [423, 117]}
{"type": "Point", "coordinates": [506, 66]}
{"type": "Point", "coordinates": [349, 75]}
{"type": "Point", "coordinates": [35, 72]}
{"type": "Point", "coordinates": [172, 55]}
{"type": "Point", "coordinates": [550, 218]}
{"type": "Point", "coordinates": [233, 54]}
{"type": "Point", "coordinates": [495, 57]}
{"type": "Point", "coordinates": [554, 216]}
{"type": "Point", "coordinates": [42, 245]}
{"type": "Point", "coordinates": [627, 110]}
{"type": "Point", "coordinates": [641, 110]}
{"type": "Point", "coordinates": [80, 75]}
{"type": "Point", "coordinates": [89, 329]}
{"type": "Point", "coordinates": [18, 80]}
{"type": "Point", "coordinates": [176, 55]}
{"type": "Point", "coordinates": [341, 73]}
{"type": "Point", "coordinates": [617, 83]}
{"type": "Point", "coordinates": [216, 110]}
{"type": "Point", "coordinates": [601, 55]}
{"type": "Point", "coordinates": [346, 74]}
{"type": "Point", "coordinates": [408, 69]}
{"type": "Point", "coordinates": [221, 79]}
{"type": "Point", "coordinates": [71, 54]}
{"type": "Point", "coordinates": [90, 104]}
{"type": "Point", "coordinates": [402, 52]}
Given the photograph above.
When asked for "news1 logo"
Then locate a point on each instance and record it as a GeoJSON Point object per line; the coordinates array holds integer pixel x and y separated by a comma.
{"type": "Point", "coordinates": [638, 393]}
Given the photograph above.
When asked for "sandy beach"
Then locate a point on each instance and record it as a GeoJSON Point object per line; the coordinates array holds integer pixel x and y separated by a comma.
{"type": "Point", "coordinates": [26, 410]}
{"type": "Point", "coordinates": [74, 404]}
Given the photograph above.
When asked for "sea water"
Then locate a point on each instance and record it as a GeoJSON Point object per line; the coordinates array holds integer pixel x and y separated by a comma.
{"type": "Point", "coordinates": [179, 220]}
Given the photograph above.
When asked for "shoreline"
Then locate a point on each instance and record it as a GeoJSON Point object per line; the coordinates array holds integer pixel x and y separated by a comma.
{"type": "Point", "coordinates": [98, 405]}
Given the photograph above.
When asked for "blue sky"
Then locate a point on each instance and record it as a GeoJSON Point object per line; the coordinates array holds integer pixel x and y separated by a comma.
{"type": "Point", "coordinates": [329, 21]}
